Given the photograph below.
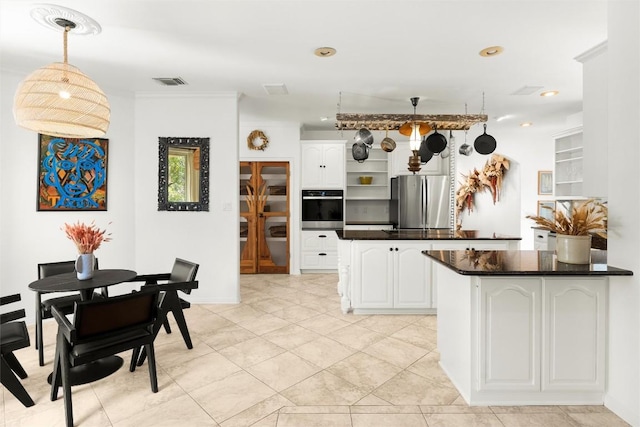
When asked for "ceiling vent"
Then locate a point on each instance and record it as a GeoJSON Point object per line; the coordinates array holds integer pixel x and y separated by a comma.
{"type": "Point", "coordinates": [527, 90]}
{"type": "Point", "coordinates": [170, 81]}
{"type": "Point", "coordinates": [275, 89]}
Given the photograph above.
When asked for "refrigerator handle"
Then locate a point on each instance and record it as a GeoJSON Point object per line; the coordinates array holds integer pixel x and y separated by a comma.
{"type": "Point", "coordinates": [425, 194]}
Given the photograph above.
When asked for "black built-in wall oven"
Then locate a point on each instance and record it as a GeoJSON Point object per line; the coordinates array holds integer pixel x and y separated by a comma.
{"type": "Point", "coordinates": [322, 209]}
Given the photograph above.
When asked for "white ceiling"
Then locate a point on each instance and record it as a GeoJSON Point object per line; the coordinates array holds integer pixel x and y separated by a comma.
{"type": "Point", "coordinates": [388, 51]}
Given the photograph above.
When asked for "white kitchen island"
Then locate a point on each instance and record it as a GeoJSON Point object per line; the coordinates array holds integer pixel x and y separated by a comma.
{"type": "Point", "coordinates": [385, 272]}
{"type": "Point", "coordinates": [520, 328]}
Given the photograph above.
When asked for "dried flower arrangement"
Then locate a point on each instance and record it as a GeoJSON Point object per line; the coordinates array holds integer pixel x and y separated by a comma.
{"type": "Point", "coordinates": [485, 260]}
{"type": "Point", "coordinates": [477, 181]}
{"type": "Point", "coordinates": [87, 238]}
{"type": "Point", "coordinates": [492, 173]}
{"type": "Point", "coordinates": [585, 218]}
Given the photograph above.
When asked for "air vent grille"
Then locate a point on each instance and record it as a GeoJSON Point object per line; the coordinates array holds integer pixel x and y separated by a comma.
{"type": "Point", "coordinates": [275, 89]}
{"type": "Point", "coordinates": [170, 81]}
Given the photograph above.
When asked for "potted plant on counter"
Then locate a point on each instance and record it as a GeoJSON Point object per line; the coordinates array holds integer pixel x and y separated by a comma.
{"type": "Point", "coordinates": [574, 230]}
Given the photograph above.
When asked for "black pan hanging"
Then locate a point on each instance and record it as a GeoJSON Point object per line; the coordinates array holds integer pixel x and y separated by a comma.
{"type": "Point", "coordinates": [485, 143]}
{"type": "Point", "coordinates": [423, 152]}
{"type": "Point", "coordinates": [360, 152]}
{"type": "Point", "coordinates": [436, 142]}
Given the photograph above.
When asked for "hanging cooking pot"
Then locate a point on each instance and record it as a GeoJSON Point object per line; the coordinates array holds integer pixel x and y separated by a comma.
{"type": "Point", "coordinates": [485, 144]}
{"type": "Point", "coordinates": [388, 144]}
{"type": "Point", "coordinates": [364, 136]}
{"type": "Point", "coordinates": [360, 152]}
{"type": "Point", "coordinates": [436, 142]}
{"type": "Point", "coordinates": [423, 152]}
{"type": "Point", "coordinates": [465, 149]}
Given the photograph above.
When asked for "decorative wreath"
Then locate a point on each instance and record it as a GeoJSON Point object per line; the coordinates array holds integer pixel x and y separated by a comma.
{"type": "Point", "coordinates": [255, 135]}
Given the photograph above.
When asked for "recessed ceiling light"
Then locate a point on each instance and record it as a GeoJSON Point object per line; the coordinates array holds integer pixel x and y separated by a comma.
{"type": "Point", "coordinates": [324, 119]}
{"type": "Point", "coordinates": [324, 52]}
{"type": "Point", "coordinates": [526, 124]}
{"type": "Point", "coordinates": [549, 93]}
{"type": "Point", "coordinates": [491, 51]}
{"type": "Point", "coordinates": [505, 117]}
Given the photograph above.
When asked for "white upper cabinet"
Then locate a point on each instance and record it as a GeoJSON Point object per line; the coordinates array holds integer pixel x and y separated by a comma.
{"type": "Point", "coordinates": [322, 164]}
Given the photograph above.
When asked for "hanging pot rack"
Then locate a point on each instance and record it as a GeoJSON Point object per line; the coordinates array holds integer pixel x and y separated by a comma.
{"type": "Point", "coordinates": [355, 121]}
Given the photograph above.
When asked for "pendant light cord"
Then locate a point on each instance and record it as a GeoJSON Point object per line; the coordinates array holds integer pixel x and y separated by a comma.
{"type": "Point", "coordinates": [64, 43]}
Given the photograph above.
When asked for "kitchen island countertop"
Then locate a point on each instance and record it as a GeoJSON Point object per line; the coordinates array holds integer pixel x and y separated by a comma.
{"type": "Point", "coordinates": [417, 234]}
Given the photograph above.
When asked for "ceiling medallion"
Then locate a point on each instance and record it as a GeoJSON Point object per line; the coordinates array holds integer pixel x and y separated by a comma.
{"type": "Point", "coordinates": [48, 15]}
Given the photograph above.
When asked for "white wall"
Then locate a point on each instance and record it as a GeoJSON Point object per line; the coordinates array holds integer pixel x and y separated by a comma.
{"type": "Point", "coordinates": [623, 387]}
{"type": "Point", "coordinates": [28, 237]}
{"type": "Point", "coordinates": [284, 145]}
{"type": "Point", "coordinates": [208, 238]}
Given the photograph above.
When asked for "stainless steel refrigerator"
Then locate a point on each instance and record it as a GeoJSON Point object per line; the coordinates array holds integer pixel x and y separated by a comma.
{"type": "Point", "coordinates": [420, 201]}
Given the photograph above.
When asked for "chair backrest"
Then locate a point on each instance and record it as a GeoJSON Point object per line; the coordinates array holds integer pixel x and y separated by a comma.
{"type": "Point", "coordinates": [183, 271]}
{"type": "Point", "coordinates": [116, 314]}
{"type": "Point", "coordinates": [12, 315]}
{"type": "Point", "coordinates": [52, 268]}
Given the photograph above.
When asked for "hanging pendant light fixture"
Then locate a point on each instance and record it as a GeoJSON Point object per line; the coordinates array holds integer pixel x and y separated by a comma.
{"type": "Point", "coordinates": [414, 140]}
{"type": "Point", "coordinates": [59, 100]}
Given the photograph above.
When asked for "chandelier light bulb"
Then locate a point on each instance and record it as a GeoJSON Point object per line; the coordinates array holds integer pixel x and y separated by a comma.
{"type": "Point", "coordinates": [415, 138]}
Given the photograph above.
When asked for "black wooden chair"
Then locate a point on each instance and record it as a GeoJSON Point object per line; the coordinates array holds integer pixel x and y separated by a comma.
{"type": "Point", "coordinates": [64, 303]}
{"type": "Point", "coordinates": [13, 336]}
{"type": "Point", "coordinates": [103, 327]}
{"type": "Point", "coordinates": [182, 272]}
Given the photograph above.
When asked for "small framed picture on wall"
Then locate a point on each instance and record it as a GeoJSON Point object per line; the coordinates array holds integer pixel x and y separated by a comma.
{"type": "Point", "coordinates": [545, 182]}
{"type": "Point", "coordinates": [546, 209]}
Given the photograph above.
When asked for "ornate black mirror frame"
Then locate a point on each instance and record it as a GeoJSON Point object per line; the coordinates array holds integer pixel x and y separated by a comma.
{"type": "Point", "coordinates": [163, 174]}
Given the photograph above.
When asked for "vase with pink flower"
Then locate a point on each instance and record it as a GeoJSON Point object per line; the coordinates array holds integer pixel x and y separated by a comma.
{"type": "Point", "coordinates": [87, 239]}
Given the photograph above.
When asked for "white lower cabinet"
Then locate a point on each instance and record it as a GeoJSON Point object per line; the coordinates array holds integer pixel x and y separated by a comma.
{"type": "Point", "coordinates": [391, 275]}
{"type": "Point", "coordinates": [319, 250]}
{"type": "Point", "coordinates": [540, 335]}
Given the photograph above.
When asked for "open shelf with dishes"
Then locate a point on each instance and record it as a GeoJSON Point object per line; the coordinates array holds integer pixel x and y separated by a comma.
{"type": "Point", "coordinates": [369, 179]}
{"type": "Point", "coordinates": [568, 174]}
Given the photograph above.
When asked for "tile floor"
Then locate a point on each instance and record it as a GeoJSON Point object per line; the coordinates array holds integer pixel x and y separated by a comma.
{"type": "Point", "coordinates": [286, 356]}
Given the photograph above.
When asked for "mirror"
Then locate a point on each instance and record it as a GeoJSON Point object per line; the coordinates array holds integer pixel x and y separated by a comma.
{"type": "Point", "coordinates": [183, 174]}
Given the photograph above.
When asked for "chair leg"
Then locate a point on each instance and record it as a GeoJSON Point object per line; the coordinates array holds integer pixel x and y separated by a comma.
{"type": "Point", "coordinates": [182, 324]}
{"type": "Point", "coordinates": [56, 376]}
{"type": "Point", "coordinates": [39, 339]}
{"type": "Point", "coordinates": [11, 382]}
{"type": "Point", "coordinates": [134, 359]}
{"type": "Point", "coordinates": [142, 357]}
{"type": "Point", "coordinates": [15, 365]}
{"type": "Point", "coordinates": [152, 367]}
{"type": "Point", "coordinates": [166, 325]}
{"type": "Point", "coordinates": [66, 386]}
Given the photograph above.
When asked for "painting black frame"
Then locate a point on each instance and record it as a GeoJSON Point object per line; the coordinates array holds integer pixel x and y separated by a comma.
{"type": "Point", "coordinates": [163, 174]}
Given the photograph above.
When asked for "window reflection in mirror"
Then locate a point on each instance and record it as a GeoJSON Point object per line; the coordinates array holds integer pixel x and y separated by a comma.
{"type": "Point", "coordinates": [183, 174]}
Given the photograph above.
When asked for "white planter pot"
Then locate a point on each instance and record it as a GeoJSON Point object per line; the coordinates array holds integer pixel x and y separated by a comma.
{"type": "Point", "coordinates": [573, 249]}
{"type": "Point", "coordinates": [84, 266]}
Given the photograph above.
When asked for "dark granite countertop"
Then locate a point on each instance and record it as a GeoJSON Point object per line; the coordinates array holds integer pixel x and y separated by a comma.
{"type": "Point", "coordinates": [417, 234]}
{"type": "Point", "coordinates": [522, 263]}
{"type": "Point", "coordinates": [368, 223]}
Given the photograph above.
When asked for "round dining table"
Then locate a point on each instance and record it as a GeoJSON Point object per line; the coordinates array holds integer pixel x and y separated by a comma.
{"type": "Point", "coordinates": [68, 282]}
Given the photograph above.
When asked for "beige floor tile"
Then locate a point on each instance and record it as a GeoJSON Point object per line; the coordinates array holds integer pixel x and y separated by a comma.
{"type": "Point", "coordinates": [371, 400]}
{"type": "Point", "coordinates": [411, 389]}
{"type": "Point", "coordinates": [324, 388]}
{"type": "Point", "coordinates": [264, 324]}
{"type": "Point", "coordinates": [295, 313]}
{"type": "Point", "coordinates": [258, 412]}
{"type": "Point", "coordinates": [429, 368]}
{"type": "Point", "coordinates": [218, 308]}
{"type": "Point", "coordinates": [349, 317]}
{"type": "Point", "coordinates": [595, 419]}
{"type": "Point", "coordinates": [227, 337]}
{"type": "Point", "coordinates": [283, 370]}
{"type": "Point", "coordinates": [291, 336]}
{"type": "Point", "coordinates": [268, 421]}
{"type": "Point", "coordinates": [177, 353]}
{"type": "Point", "coordinates": [252, 351]}
{"type": "Point", "coordinates": [533, 409]}
{"type": "Point", "coordinates": [269, 305]}
{"type": "Point", "coordinates": [326, 409]}
{"type": "Point", "coordinates": [323, 352]}
{"type": "Point", "coordinates": [420, 336]}
{"type": "Point", "coordinates": [463, 420]}
{"type": "Point", "coordinates": [323, 324]}
{"type": "Point", "coordinates": [356, 336]}
{"type": "Point", "coordinates": [314, 420]}
{"type": "Point", "coordinates": [241, 313]}
{"type": "Point", "coordinates": [191, 375]}
{"type": "Point", "coordinates": [203, 323]}
{"type": "Point", "coordinates": [364, 371]}
{"type": "Point", "coordinates": [396, 352]}
{"type": "Point", "coordinates": [232, 395]}
{"type": "Point", "coordinates": [535, 419]}
{"type": "Point", "coordinates": [570, 409]}
{"type": "Point", "coordinates": [385, 420]}
{"type": "Point", "coordinates": [430, 321]}
{"type": "Point", "coordinates": [386, 409]}
{"type": "Point", "coordinates": [456, 409]}
{"type": "Point", "coordinates": [180, 411]}
{"type": "Point", "coordinates": [384, 324]}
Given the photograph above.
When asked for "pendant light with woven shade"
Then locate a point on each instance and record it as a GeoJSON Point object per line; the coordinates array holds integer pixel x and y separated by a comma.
{"type": "Point", "coordinates": [59, 100]}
